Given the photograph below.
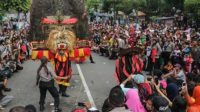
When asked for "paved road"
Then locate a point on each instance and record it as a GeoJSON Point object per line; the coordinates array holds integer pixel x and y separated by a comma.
{"type": "Point", "coordinates": [99, 78]}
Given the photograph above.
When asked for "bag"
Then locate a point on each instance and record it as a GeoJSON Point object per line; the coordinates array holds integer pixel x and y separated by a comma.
{"type": "Point", "coordinates": [47, 84]}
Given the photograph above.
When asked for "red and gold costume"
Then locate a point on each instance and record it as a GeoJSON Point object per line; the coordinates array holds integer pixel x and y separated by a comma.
{"type": "Point", "coordinates": [60, 49]}
{"type": "Point", "coordinates": [127, 65]}
{"type": "Point", "coordinates": [63, 68]}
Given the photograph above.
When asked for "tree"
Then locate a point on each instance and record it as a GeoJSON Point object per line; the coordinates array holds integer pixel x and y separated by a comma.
{"type": "Point", "coordinates": [127, 6]}
{"type": "Point", "coordinates": [107, 5]}
{"type": "Point", "coordinates": [178, 4]}
{"type": "Point", "coordinates": [18, 5]}
{"type": "Point", "coordinates": [192, 6]}
{"type": "Point", "coordinates": [93, 4]}
{"type": "Point", "coordinates": [124, 5]}
{"type": "Point", "coordinates": [23, 5]}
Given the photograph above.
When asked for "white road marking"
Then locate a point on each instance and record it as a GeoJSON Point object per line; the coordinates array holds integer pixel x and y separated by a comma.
{"type": "Point", "coordinates": [89, 95]}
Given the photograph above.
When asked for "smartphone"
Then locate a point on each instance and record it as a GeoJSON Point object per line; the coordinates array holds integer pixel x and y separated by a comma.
{"type": "Point", "coordinates": [156, 81]}
{"type": "Point", "coordinates": [81, 104]}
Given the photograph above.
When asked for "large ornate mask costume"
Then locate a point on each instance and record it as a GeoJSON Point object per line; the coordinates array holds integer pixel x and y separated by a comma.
{"type": "Point", "coordinates": [61, 39]}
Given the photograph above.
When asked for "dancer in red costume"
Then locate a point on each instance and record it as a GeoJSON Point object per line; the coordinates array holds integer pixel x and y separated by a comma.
{"type": "Point", "coordinates": [63, 69]}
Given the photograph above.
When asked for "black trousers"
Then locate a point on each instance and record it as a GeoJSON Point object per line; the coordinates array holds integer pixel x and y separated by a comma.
{"type": "Point", "coordinates": [104, 50]}
{"type": "Point", "coordinates": [62, 89]}
{"type": "Point", "coordinates": [113, 54]}
{"type": "Point", "coordinates": [91, 58]}
{"type": "Point", "coordinates": [53, 91]}
{"type": "Point", "coordinates": [166, 57]}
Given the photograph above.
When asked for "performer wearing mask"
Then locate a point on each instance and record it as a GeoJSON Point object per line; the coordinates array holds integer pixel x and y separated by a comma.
{"type": "Point", "coordinates": [45, 79]}
{"type": "Point", "coordinates": [63, 69]}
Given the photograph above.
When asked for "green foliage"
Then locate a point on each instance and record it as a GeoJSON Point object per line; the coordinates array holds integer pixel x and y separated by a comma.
{"type": "Point", "coordinates": [23, 5]}
{"type": "Point", "coordinates": [1, 15]}
{"type": "Point", "coordinates": [123, 5]}
{"type": "Point", "coordinates": [150, 7]}
{"type": "Point", "coordinates": [128, 5]}
{"type": "Point", "coordinates": [92, 4]}
{"type": "Point", "coordinates": [179, 4]}
{"type": "Point", "coordinates": [107, 5]}
{"type": "Point", "coordinates": [18, 5]}
{"type": "Point", "coordinates": [153, 18]}
{"type": "Point", "coordinates": [192, 6]}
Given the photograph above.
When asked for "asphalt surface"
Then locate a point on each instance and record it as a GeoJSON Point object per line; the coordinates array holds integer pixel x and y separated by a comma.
{"type": "Point", "coordinates": [99, 78]}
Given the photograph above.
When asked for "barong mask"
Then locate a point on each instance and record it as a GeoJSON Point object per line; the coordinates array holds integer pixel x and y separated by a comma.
{"type": "Point", "coordinates": [61, 39]}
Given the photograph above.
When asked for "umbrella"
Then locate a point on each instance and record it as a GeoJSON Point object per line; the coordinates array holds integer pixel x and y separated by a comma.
{"type": "Point", "coordinates": [140, 13]}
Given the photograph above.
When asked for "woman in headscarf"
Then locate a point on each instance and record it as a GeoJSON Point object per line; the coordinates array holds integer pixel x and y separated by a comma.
{"type": "Point", "coordinates": [132, 94]}
{"type": "Point", "coordinates": [45, 79]}
{"type": "Point", "coordinates": [172, 91]}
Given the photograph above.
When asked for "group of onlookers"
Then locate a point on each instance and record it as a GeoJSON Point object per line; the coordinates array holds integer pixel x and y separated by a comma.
{"type": "Point", "coordinates": [170, 53]}
{"type": "Point", "coordinates": [171, 56]}
{"type": "Point", "coordinates": [14, 50]}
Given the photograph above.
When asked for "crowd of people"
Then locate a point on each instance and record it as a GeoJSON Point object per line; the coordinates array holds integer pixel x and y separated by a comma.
{"type": "Point", "coordinates": [169, 81]}
{"type": "Point", "coordinates": [14, 50]}
{"type": "Point", "coordinates": [171, 58]}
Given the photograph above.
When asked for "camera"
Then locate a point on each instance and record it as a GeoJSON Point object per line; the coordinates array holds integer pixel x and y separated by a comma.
{"type": "Point", "coordinates": [81, 104]}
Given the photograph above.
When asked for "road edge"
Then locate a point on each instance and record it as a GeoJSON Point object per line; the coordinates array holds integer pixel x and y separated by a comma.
{"type": "Point", "coordinates": [89, 95]}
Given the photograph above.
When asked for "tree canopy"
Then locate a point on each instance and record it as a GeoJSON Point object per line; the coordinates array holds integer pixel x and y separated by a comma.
{"type": "Point", "coordinates": [17, 5]}
{"type": "Point", "coordinates": [193, 6]}
{"type": "Point", "coordinates": [93, 4]}
{"type": "Point", "coordinates": [179, 4]}
{"type": "Point", "coordinates": [151, 7]}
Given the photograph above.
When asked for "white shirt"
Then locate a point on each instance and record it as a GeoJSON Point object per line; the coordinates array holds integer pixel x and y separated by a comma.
{"type": "Point", "coordinates": [122, 44]}
{"type": "Point", "coordinates": [148, 50]}
{"type": "Point", "coordinates": [181, 75]}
